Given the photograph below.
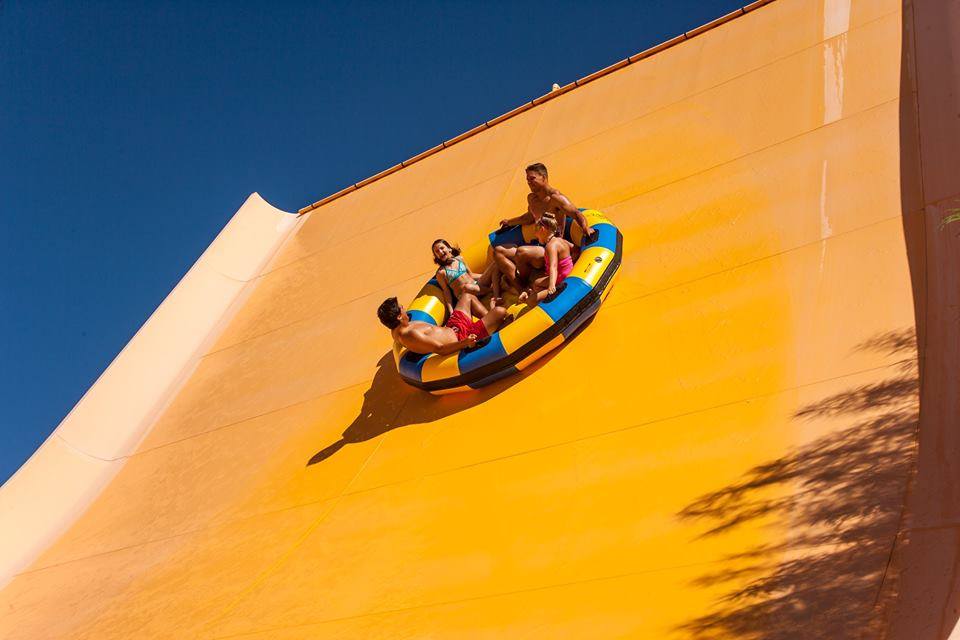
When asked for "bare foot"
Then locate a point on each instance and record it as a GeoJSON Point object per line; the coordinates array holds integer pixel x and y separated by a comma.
{"type": "Point", "coordinates": [529, 296]}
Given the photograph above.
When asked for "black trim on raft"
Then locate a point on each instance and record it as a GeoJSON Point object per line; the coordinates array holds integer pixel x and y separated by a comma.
{"type": "Point", "coordinates": [549, 334]}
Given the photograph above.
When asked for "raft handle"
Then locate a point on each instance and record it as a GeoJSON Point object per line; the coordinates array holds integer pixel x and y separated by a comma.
{"type": "Point", "coordinates": [552, 296]}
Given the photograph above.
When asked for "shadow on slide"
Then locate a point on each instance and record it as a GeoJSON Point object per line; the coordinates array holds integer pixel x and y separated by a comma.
{"type": "Point", "coordinates": [842, 496]}
{"type": "Point", "coordinates": [390, 403]}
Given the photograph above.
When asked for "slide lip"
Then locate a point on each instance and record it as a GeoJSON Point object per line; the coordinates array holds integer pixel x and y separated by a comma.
{"type": "Point", "coordinates": [637, 57]}
{"type": "Point", "coordinates": [578, 312]}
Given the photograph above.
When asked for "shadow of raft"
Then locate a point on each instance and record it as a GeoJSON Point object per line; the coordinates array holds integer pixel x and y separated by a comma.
{"type": "Point", "coordinates": [390, 403]}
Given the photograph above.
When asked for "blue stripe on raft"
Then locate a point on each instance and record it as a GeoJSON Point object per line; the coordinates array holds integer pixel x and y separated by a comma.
{"type": "Point", "coordinates": [606, 238]}
{"type": "Point", "coordinates": [411, 365]}
{"type": "Point", "coordinates": [583, 317]}
{"type": "Point", "coordinates": [572, 293]}
{"type": "Point", "coordinates": [421, 316]}
{"type": "Point", "coordinates": [493, 377]}
{"type": "Point", "coordinates": [511, 235]}
{"type": "Point", "coordinates": [471, 359]}
{"type": "Point", "coordinates": [436, 283]}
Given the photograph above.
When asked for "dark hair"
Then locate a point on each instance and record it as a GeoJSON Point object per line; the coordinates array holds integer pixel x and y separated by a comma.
{"type": "Point", "coordinates": [389, 312]}
{"type": "Point", "coordinates": [538, 167]}
{"type": "Point", "coordinates": [454, 250]}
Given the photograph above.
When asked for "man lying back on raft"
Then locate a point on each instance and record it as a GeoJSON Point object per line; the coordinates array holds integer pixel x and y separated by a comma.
{"type": "Point", "coordinates": [460, 332]}
{"type": "Point", "coordinates": [513, 261]}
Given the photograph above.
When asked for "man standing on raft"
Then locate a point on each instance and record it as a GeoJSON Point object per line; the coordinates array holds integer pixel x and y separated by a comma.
{"type": "Point", "coordinates": [460, 332]}
{"type": "Point", "coordinates": [542, 198]}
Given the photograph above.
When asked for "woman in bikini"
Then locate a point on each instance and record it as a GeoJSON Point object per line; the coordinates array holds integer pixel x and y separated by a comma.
{"type": "Point", "coordinates": [557, 261]}
{"type": "Point", "coordinates": [456, 279]}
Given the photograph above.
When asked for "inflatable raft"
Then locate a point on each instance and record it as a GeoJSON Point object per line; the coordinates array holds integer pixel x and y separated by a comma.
{"type": "Point", "coordinates": [535, 331]}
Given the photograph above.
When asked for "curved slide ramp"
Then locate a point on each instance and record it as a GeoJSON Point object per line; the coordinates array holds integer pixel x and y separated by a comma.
{"type": "Point", "coordinates": [755, 437]}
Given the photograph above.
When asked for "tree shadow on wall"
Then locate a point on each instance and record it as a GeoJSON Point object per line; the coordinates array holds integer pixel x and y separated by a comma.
{"type": "Point", "coordinates": [842, 497]}
{"type": "Point", "coordinates": [390, 403]}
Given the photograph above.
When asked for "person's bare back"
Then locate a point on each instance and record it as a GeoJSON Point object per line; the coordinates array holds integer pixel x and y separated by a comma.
{"type": "Point", "coordinates": [460, 332]}
{"type": "Point", "coordinates": [421, 337]}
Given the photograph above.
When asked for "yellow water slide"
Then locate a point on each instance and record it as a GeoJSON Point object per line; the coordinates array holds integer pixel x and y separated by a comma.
{"type": "Point", "coordinates": [756, 437]}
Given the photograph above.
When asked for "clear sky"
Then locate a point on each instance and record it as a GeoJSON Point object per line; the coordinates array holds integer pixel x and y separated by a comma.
{"type": "Point", "coordinates": [130, 133]}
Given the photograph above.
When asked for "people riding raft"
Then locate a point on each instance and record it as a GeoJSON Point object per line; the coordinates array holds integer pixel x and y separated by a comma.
{"type": "Point", "coordinates": [519, 262]}
{"type": "Point", "coordinates": [536, 270]}
{"type": "Point", "coordinates": [455, 278]}
{"type": "Point", "coordinates": [557, 258]}
{"type": "Point", "coordinates": [460, 332]}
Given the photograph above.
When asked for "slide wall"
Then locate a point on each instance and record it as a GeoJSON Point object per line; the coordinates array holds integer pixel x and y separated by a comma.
{"type": "Point", "coordinates": [754, 438]}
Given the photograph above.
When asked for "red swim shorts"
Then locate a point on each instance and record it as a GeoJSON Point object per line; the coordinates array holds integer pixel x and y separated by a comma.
{"type": "Point", "coordinates": [463, 326]}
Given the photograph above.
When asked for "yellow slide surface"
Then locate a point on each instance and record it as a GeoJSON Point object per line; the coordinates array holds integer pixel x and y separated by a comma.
{"type": "Point", "coordinates": [728, 450]}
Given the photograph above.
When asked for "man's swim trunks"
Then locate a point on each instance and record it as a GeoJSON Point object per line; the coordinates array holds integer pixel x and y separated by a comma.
{"type": "Point", "coordinates": [463, 326]}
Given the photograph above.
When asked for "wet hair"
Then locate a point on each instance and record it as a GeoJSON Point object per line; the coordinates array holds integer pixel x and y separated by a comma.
{"type": "Point", "coordinates": [389, 313]}
{"type": "Point", "coordinates": [548, 221]}
{"type": "Point", "coordinates": [538, 167]}
{"type": "Point", "coordinates": [454, 250]}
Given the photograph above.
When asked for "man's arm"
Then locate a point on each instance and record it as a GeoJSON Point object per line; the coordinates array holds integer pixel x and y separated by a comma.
{"type": "Point", "coordinates": [526, 218]}
{"type": "Point", "coordinates": [417, 342]}
{"type": "Point", "coordinates": [453, 347]}
{"type": "Point", "coordinates": [567, 207]}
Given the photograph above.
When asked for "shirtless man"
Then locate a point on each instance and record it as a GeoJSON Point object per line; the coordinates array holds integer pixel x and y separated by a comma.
{"type": "Point", "coordinates": [514, 261]}
{"type": "Point", "coordinates": [460, 332]}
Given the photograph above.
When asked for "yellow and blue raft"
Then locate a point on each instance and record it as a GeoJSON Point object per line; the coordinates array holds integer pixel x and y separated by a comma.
{"type": "Point", "coordinates": [535, 331]}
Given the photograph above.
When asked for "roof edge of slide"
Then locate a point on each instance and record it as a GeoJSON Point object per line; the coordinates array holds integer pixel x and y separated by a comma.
{"type": "Point", "coordinates": [663, 46]}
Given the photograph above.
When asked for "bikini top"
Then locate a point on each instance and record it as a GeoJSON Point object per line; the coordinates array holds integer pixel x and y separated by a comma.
{"type": "Point", "coordinates": [453, 274]}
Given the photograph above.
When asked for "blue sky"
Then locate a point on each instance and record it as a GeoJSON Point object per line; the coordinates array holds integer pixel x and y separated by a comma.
{"type": "Point", "coordinates": [130, 133]}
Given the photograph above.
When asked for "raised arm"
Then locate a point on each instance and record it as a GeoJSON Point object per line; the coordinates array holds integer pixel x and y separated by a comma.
{"type": "Point", "coordinates": [453, 347]}
{"type": "Point", "coordinates": [420, 341]}
{"type": "Point", "coordinates": [567, 207]}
